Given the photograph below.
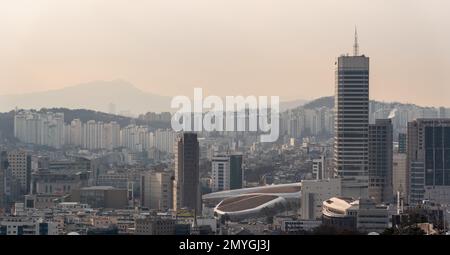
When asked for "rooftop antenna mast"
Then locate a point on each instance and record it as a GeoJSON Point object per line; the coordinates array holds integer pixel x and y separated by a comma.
{"type": "Point", "coordinates": [356, 45]}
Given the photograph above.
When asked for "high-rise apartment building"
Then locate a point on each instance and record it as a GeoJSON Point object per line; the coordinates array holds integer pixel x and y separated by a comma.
{"type": "Point", "coordinates": [49, 129]}
{"type": "Point", "coordinates": [91, 135]}
{"type": "Point", "coordinates": [76, 132]}
{"type": "Point", "coordinates": [351, 147]}
{"type": "Point", "coordinates": [40, 128]}
{"type": "Point", "coordinates": [380, 160]}
{"type": "Point", "coordinates": [186, 192]}
{"type": "Point", "coordinates": [428, 160]}
{"type": "Point", "coordinates": [164, 140]}
{"type": "Point", "coordinates": [136, 138]}
{"type": "Point", "coordinates": [111, 136]}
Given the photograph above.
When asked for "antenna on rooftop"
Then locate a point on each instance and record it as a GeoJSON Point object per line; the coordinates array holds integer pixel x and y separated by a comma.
{"type": "Point", "coordinates": [356, 45]}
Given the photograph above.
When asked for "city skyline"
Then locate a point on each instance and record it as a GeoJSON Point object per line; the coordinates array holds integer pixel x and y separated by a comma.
{"type": "Point", "coordinates": [278, 48]}
{"type": "Point", "coordinates": [252, 145]}
{"type": "Point", "coordinates": [123, 98]}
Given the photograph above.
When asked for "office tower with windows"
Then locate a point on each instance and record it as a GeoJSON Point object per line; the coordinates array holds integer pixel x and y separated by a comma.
{"type": "Point", "coordinates": [226, 172]}
{"type": "Point", "coordinates": [352, 123]}
{"type": "Point", "coordinates": [401, 143]}
{"type": "Point", "coordinates": [156, 190]}
{"type": "Point", "coordinates": [220, 166]}
{"type": "Point", "coordinates": [428, 160]}
{"type": "Point", "coordinates": [20, 167]}
{"type": "Point", "coordinates": [318, 168]}
{"type": "Point", "coordinates": [236, 171]}
{"type": "Point", "coordinates": [186, 192]}
{"type": "Point", "coordinates": [380, 160]}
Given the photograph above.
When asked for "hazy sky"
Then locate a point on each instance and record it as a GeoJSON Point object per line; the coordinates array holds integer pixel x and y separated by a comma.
{"type": "Point", "coordinates": [227, 47]}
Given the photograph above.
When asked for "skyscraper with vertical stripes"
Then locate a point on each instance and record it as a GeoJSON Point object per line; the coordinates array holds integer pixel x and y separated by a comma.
{"type": "Point", "coordinates": [352, 123]}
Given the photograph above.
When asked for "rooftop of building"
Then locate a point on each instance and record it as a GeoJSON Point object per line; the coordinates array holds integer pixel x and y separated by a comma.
{"type": "Point", "coordinates": [100, 188]}
{"type": "Point", "coordinates": [268, 189]}
{"type": "Point", "coordinates": [340, 204]}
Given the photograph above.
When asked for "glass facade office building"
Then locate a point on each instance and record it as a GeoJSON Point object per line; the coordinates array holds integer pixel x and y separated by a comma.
{"type": "Point", "coordinates": [428, 160]}
{"type": "Point", "coordinates": [437, 155]}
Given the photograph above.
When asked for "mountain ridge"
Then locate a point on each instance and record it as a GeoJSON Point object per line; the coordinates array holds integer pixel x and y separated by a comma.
{"type": "Point", "coordinates": [98, 95]}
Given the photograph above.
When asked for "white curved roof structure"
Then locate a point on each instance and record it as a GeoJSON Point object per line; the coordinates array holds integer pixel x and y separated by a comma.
{"type": "Point", "coordinates": [249, 202]}
{"type": "Point", "coordinates": [338, 206]}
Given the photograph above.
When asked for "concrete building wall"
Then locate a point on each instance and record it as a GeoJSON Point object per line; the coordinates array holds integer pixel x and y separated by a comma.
{"type": "Point", "coordinates": [313, 193]}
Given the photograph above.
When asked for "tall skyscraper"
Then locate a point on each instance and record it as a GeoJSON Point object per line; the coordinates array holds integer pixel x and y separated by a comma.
{"type": "Point", "coordinates": [428, 160]}
{"type": "Point", "coordinates": [226, 172]}
{"type": "Point", "coordinates": [236, 171]}
{"type": "Point", "coordinates": [380, 160]}
{"type": "Point", "coordinates": [76, 132]}
{"type": "Point", "coordinates": [187, 181]}
{"type": "Point", "coordinates": [352, 123]}
{"type": "Point", "coordinates": [399, 168]}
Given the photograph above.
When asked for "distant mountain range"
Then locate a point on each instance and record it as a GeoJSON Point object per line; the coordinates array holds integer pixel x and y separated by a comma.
{"type": "Point", "coordinates": [98, 96]}
{"type": "Point", "coordinates": [327, 102]}
{"type": "Point", "coordinates": [292, 104]}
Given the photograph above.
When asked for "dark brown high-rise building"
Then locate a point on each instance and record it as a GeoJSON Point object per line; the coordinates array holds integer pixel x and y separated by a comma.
{"type": "Point", "coordinates": [3, 168]}
{"type": "Point", "coordinates": [186, 184]}
{"type": "Point", "coordinates": [380, 160]}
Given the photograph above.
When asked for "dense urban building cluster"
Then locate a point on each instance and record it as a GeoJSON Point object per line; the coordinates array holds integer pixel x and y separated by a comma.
{"type": "Point", "coordinates": [49, 129]}
{"type": "Point", "coordinates": [341, 165]}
